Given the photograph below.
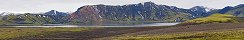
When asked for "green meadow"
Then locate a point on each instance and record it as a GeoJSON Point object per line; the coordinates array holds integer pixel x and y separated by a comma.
{"type": "Point", "coordinates": [8, 33]}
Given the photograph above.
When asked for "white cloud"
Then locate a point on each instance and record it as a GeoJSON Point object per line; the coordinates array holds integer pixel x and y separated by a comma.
{"type": "Point", "coordinates": [72, 5]}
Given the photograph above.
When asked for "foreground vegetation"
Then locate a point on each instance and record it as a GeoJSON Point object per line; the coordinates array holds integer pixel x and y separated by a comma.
{"type": "Point", "coordinates": [215, 18]}
{"type": "Point", "coordinates": [8, 33]}
{"type": "Point", "coordinates": [204, 35]}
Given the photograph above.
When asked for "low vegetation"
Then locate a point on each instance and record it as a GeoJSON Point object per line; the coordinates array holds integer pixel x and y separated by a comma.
{"type": "Point", "coordinates": [8, 33]}
{"type": "Point", "coordinates": [207, 35]}
{"type": "Point", "coordinates": [215, 18]}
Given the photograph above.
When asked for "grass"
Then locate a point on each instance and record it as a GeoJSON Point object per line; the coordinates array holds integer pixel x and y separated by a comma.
{"type": "Point", "coordinates": [237, 34]}
{"type": "Point", "coordinates": [215, 18]}
{"type": "Point", "coordinates": [8, 33]}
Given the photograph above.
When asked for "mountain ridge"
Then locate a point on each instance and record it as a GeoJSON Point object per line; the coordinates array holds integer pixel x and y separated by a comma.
{"type": "Point", "coordinates": [147, 11]}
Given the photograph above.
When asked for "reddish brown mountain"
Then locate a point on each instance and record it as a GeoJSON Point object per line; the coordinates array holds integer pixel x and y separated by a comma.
{"type": "Point", "coordinates": [87, 14]}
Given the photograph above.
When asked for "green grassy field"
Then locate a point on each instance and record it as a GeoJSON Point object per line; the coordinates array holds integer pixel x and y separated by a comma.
{"type": "Point", "coordinates": [215, 18]}
{"type": "Point", "coordinates": [237, 34]}
{"type": "Point", "coordinates": [8, 33]}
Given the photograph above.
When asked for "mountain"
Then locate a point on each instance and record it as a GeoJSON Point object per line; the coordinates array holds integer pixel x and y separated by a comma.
{"type": "Point", "coordinates": [58, 17]}
{"type": "Point", "coordinates": [147, 11]}
{"type": "Point", "coordinates": [56, 13]}
{"type": "Point", "coordinates": [200, 11]}
{"type": "Point", "coordinates": [34, 19]}
{"type": "Point", "coordinates": [236, 10]}
{"type": "Point", "coordinates": [5, 13]}
{"type": "Point", "coordinates": [226, 9]}
{"type": "Point", "coordinates": [50, 17]}
{"type": "Point", "coordinates": [96, 14]}
{"type": "Point", "coordinates": [27, 18]}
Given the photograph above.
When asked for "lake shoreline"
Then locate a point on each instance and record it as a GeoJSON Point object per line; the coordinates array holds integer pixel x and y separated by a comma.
{"type": "Point", "coordinates": [139, 25]}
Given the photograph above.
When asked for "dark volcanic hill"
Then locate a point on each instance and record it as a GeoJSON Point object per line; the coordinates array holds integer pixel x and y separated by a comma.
{"type": "Point", "coordinates": [58, 17]}
{"type": "Point", "coordinates": [236, 10]}
{"type": "Point", "coordinates": [147, 11]}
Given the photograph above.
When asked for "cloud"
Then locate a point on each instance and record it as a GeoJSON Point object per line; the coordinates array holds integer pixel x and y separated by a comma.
{"type": "Point", "coordinates": [72, 5]}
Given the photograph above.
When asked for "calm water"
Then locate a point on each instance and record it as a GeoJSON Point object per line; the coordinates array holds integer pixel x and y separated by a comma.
{"type": "Point", "coordinates": [107, 25]}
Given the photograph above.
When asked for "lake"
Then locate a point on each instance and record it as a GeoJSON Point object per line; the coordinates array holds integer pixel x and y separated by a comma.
{"type": "Point", "coordinates": [106, 25]}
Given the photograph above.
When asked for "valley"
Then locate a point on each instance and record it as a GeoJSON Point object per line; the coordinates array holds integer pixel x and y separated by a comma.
{"type": "Point", "coordinates": [138, 21]}
{"type": "Point", "coordinates": [199, 30]}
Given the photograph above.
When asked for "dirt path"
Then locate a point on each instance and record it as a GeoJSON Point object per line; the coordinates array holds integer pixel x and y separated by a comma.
{"type": "Point", "coordinates": [108, 32]}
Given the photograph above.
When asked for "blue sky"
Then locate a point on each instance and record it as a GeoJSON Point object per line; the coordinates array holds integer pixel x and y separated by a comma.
{"type": "Point", "coordinates": [21, 6]}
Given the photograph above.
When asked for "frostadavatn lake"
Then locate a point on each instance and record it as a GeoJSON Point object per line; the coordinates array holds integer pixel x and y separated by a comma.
{"type": "Point", "coordinates": [136, 25]}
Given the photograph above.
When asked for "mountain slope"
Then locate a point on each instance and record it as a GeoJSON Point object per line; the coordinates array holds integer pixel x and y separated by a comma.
{"type": "Point", "coordinates": [236, 10]}
{"type": "Point", "coordinates": [59, 17]}
{"type": "Point", "coordinates": [147, 11]}
{"type": "Point", "coordinates": [50, 17]}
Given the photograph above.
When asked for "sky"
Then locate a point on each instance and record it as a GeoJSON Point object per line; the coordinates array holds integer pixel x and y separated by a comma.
{"type": "Point", "coordinates": [30, 6]}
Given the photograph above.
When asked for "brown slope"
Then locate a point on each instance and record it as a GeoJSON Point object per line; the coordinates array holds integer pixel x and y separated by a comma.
{"type": "Point", "coordinates": [87, 14]}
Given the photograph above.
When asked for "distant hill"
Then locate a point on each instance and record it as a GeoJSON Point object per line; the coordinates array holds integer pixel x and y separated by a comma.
{"type": "Point", "coordinates": [59, 17]}
{"type": "Point", "coordinates": [236, 10]}
{"type": "Point", "coordinates": [50, 17]}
